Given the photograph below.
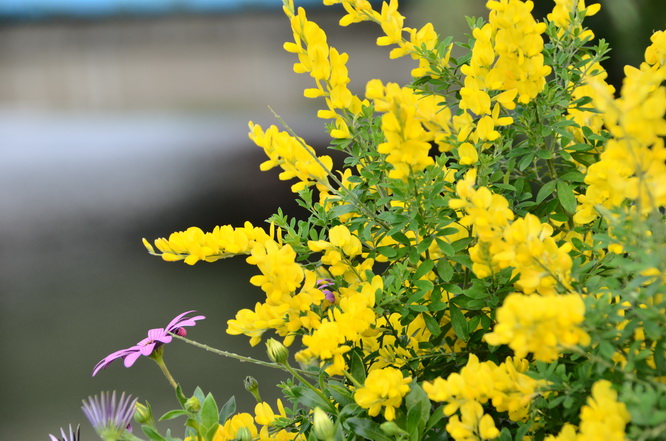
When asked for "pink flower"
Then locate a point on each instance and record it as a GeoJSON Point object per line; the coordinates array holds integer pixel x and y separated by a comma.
{"type": "Point", "coordinates": [156, 338]}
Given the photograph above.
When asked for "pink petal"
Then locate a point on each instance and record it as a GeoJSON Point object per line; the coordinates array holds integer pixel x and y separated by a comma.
{"type": "Point", "coordinates": [131, 358]}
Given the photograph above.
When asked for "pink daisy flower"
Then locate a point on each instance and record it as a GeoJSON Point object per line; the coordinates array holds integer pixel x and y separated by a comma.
{"type": "Point", "coordinates": [156, 338]}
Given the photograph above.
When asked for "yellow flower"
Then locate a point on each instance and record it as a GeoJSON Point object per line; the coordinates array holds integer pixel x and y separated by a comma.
{"type": "Point", "coordinates": [543, 325]}
{"type": "Point", "coordinates": [603, 418]}
{"type": "Point", "coordinates": [297, 159]}
{"type": "Point", "coordinates": [383, 388]}
{"type": "Point", "coordinates": [229, 430]}
{"type": "Point", "coordinates": [468, 154]}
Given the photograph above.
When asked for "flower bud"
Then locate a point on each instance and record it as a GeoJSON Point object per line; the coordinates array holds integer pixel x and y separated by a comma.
{"type": "Point", "coordinates": [244, 434]}
{"type": "Point", "coordinates": [192, 405]}
{"type": "Point", "coordinates": [142, 414]}
{"type": "Point", "coordinates": [324, 429]}
{"type": "Point", "coordinates": [252, 385]}
{"type": "Point", "coordinates": [277, 352]}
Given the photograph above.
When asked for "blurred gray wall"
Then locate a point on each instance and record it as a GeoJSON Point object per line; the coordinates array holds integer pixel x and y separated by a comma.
{"type": "Point", "coordinates": [116, 129]}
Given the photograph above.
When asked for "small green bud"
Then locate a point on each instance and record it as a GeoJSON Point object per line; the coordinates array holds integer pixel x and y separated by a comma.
{"type": "Point", "coordinates": [192, 405]}
{"type": "Point", "coordinates": [277, 352]}
{"type": "Point", "coordinates": [252, 385]}
{"type": "Point", "coordinates": [142, 414]}
{"type": "Point", "coordinates": [244, 434]}
{"type": "Point", "coordinates": [324, 429]}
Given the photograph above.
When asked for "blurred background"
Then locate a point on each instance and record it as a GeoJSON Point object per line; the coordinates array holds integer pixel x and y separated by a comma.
{"type": "Point", "coordinates": [123, 119]}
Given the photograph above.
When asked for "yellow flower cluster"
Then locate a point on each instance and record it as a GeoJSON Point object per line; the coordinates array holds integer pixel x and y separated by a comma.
{"type": "Point", "coordinates": [603, 418]}
{"type": "Point", "coordinates": [542, 325]}
{"type": "Point", "coordinates": [633, 165]}
{"type": "Point", "coordinates": [389, 349]}
{"type": "Point", "coordinates": [264, 417]}
{"type": "Point", "coordinates": [383, 388]}
{"type": "Point", "coordinates": [525, 244]}
{"type": "Point", "coordinates": [193, 245]}
{"type": "Point", "coordinates": [348, 321]}
{"type": "Point", "coordinates": [294, 156]}
{"type": "Point", "coordinates": [561, 16]}
{"type": "Point", "coordinates": [392, 23]}
{"type": "Point", "coordinates": [410, 122]}
{"type": "Point", "coordinates": [285, 311]}
{"type": "Point", "coordinates": [506, 58]}
{"type": "Point", "coordinates": [504, 386]}
{"type": "Point", "coordinates": [326, 65]}
{"type": "Point", "coordinates": [339, 250]}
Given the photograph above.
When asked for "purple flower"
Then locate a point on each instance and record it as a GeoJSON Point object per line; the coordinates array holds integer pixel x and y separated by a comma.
{"type": "Point", "coordinates": [110, 420]}
{"type": "Point", "coordinates": [323, 285]}
{"type": "Point", "coordinates": [73, 436]}
{"type": "Point", "coordinates": [156, 338]}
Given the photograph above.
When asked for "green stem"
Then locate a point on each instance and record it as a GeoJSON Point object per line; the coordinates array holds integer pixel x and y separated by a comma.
{"type": "Point", "coordinates": [240, 358]}
{"type": "Point", "coordinates": [300, 378]}
{"type": "Point", "coordinates": [159, 359]}
{"type": "Point", "coordinates": [353, 380]}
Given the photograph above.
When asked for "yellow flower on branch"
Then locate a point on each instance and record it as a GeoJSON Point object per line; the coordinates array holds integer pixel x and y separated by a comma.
{"type": "Point", "coordinates": [383, 389]}
{"type": "Point", "coordinates": [542, 325]}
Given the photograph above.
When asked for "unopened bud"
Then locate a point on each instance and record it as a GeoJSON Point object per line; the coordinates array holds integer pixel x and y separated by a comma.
{"type": "Point", "coordinates": [252, 385]}
{"type": "Point", "coordinates": [192, 405]}
{"type": "Point", "coordinates": [277, 352]}
{"type": "Point", "coordinates": [142, 414]}
{"type": "Point", "coordinates": [244, 434]}
{"type": "Point", "coordinates": [324, 429]}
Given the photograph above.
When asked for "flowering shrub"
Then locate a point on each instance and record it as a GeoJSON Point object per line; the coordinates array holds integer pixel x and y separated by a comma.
{"type": "Point", "coordinates": [487, 263]}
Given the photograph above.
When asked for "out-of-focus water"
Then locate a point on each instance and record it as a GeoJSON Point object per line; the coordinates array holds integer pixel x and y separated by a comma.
{"type": "Point", "coordinates": [77, 194]}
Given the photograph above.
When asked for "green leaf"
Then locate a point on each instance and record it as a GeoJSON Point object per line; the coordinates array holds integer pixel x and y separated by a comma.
{"type": "Point", "coordinates": [525, 161]}
{"type": "Point", "coordinates": [446, 248]}
{"type": "Point", "coordinates": [458, 322]}
{"type": "Point", "coordinates": [152, 433]}
{"type": "Point", "coordinates": [180, 395]}
{"type": "Point", "coordinates": [461, 244]}
{"type": "Point", "coordinates": [559, 217]}
{"type": "Point", "coordinates": [414, 424]}
{"type": "Point", "coordinates": [173, 414]}
{"type": "Point", "coordinates": [367, 429]}
{"type": "Point", "coordinates": [227, 410]}
{"type": "Point", "coordinates": [341, 394]}
{"type": "Point", "coordinates": [209, 416]}
{"type": "Point", "coordinates": [387, 251]}
{"type": "Point", "coordinates": [401, 238]}
{"type": "Point", "coordinates": [573, 176]}
{"type": "Point", "coordinates": [444, 270]}
{"type": "Point", "coordinates": [432, 325]}
{"type": "Point", "coordinates": [418, 405]}
{"type": "Point", "coordinates": [424, 269]}
{"type": "Point", "coordinates": [566, 196]}
{"type": "Point", "coordinates": [545, 191]}
{"type": "Point", "coordinates": [357, 367]}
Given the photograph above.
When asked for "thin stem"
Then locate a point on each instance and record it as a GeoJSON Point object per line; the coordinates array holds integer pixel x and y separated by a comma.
{"type": "Point", "coordinates": [311, 387]}
{"type": "Point", "coordinates": [240, 358]}
{"type": "Point", "coordinates": [353, 380]}
{"type": "Point", "coordinates": [159, 359]}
